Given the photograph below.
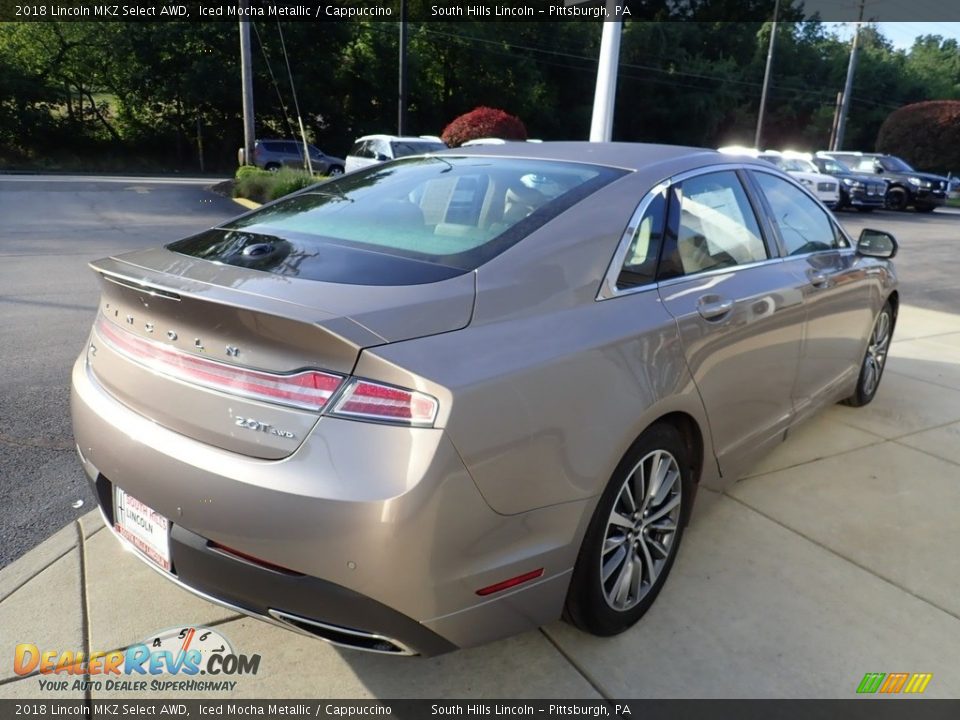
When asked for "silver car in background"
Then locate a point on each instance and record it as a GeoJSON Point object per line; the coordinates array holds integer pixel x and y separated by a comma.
{"type": "Point", "coordinates": [445, 399]}
{"type": "Point", "coordinates": [274, 154]}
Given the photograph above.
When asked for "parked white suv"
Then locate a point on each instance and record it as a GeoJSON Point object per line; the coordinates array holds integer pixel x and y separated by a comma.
{"type": "Point", "coordinates": [372, 149]}
{"type": "Point", "coordinates": [825, 187]}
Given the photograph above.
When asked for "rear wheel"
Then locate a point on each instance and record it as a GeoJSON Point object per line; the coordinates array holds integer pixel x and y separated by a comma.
{"type": "Point", "coordinates": [874, 360]}
{"type": "Point", "coordinates": [634, 535]}
{"type": "Point", "coordinates": [272, 167]}
{"type": "Point", "coordinates": [335, 171]}
{"type": "Point", "coordinates": [864, 209]}
{"type": "Point", "coordinates": [897, 199]}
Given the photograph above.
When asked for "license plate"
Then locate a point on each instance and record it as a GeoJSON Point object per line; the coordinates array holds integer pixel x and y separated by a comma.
{"type": "Point", "coordinates": [143, 527]}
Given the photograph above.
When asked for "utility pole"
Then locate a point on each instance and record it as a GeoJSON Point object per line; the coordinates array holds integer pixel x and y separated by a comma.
{"type": "Point", "coordinates": [402, 90]}
{"type": "Point", "coordinates": [605, 95]}
{"type": "Point", "coordinates": [848, 86]}
{"type": "Point", "coordinates": [766, 77]}
{"type": "Point", "coordinates": [833, 127]}
{"type": "Point", "coordinates": [246, 79]}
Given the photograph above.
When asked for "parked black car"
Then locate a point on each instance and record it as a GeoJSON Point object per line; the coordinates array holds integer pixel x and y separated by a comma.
{"type": "Point", "coordinates": [907, 187]}
{"type": "Point", "coordinates": [857, 190]}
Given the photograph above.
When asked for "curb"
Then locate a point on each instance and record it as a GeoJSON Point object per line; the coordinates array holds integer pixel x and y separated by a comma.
{"type": "Point", "coordinates": [247, 203]}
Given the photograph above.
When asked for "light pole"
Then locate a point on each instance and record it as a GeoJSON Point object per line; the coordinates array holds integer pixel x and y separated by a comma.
{"type": "Point", "coordinates": [605, 95]}
{"type": "Point", "coordinates": [246, 79]}
{"type": "Point", "coordinates": [766, 77]}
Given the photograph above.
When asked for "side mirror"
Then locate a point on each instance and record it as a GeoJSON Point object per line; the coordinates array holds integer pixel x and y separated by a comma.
{"type": "Point", "coordinates": [381, 157]}
{"type": "Point", "coordinates": [878, 169]}
{"type": "Point", "coordinates": [877, 243]}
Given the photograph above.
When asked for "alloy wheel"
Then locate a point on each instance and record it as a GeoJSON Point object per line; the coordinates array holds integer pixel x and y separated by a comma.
{"type": "Point", "coordinates": [641, 530]}
{"type": "Point", "coordinates": [876, 355]}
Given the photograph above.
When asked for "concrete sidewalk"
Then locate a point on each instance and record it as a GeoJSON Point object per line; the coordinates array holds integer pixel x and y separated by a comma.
{"type": "Point", "coordinates": [837, 556]}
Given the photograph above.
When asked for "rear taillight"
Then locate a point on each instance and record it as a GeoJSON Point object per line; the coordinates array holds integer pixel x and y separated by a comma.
{"type": "Point", "coordinates": [310, 389]}
{"type": "Point", "coordinates": [367, 400]}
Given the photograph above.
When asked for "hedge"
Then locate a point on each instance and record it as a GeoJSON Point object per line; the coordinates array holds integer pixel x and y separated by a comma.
{"type": "Point", "coordinates": [483, 122]}
{"type": "Point", "coordinates": [925, 134]}
{"type": "Point", "coordinates": [262, 186]}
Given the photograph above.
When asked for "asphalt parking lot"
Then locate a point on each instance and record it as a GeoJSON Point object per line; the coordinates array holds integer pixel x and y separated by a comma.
{"type": "Point", "coordinates": [834, 557]}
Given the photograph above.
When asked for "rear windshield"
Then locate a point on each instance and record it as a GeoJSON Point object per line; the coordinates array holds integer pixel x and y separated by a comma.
{"type": "Point", "coordinates": [402, 148]}
{"type": "Point", "coordinates": [400, 223]}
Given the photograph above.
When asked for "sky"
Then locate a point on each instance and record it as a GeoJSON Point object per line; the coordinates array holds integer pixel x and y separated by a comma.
{"type": "Point", "coordinates": [902, 34]}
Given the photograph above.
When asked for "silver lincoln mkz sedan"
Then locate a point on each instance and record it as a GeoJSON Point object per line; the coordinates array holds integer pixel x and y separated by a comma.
{"type": "Point", "coordinates": [451, 397]}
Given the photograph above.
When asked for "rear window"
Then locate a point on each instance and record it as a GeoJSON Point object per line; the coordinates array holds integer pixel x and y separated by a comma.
{"type": "Point", "coordinates": [405, 148]}
{"type": "Point", "coordinates": [405, 222]}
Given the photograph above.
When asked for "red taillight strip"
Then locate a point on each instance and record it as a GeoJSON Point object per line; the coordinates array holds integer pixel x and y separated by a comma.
{"type": "Point", "coordinates": [512, 582]}
{"type": "Point", "coordinates": [367, 400]}
{"type": "Point", "coordinates": [309, 389]}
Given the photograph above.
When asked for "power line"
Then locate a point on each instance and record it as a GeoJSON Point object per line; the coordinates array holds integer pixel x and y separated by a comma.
{"type": "Point", "coordinates": [273, 78]}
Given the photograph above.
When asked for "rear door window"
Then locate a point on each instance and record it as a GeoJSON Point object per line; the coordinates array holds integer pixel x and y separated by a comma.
{"type": "Point", "coordinates": [640, 263]}
{"type": "Point", "coordinates": [715, 226]}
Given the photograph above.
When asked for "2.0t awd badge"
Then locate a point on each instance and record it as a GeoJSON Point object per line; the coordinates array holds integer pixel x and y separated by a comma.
{"type": "Point", "coordinates": [251, 424]}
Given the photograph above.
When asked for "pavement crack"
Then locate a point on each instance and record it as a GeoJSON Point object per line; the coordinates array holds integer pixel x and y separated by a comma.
{"type": "Point", "coordinates": [84, 607]}
{"type": "Point", "coordinates": [836, 554]}
{"type": "Point", "coordinates": [591, 681]}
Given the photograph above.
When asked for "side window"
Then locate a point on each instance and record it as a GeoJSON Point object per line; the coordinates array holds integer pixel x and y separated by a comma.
{"type": "Point", "coordinates": [716, 227]}
{"type": "Point", "coordinates": [804, 226]}
{"type": "Point", "coordinates": [640, 264]}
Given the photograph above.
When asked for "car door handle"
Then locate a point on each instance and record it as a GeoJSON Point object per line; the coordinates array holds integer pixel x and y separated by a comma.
{"type": "Point", "coordinates": [818, 279]}
{"type": "Point", "coordinates": [714, 308]}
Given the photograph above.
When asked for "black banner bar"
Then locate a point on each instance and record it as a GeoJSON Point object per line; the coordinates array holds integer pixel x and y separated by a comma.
{"type": "Point", "coordinates": [874, 708]}
{"type": "Point", "coordinates": [464, 10]}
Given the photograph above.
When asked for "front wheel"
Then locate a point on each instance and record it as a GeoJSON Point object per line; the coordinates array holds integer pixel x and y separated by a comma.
{"type": "Point", "coordinates": [897, 199]}
{"type": "Point", "coordinates": [634, 535]}
{"type": "Point", "coordinates": [875, 359]}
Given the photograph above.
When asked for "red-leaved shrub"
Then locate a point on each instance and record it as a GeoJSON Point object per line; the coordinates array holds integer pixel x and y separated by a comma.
{"type": "Point", "coordinates": [483, 122]}
{"type": "Point", "coordinates": [925, 134]}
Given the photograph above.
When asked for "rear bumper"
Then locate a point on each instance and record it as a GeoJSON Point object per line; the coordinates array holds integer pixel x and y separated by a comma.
{"type": "Point", "coordinates": [377, 532]}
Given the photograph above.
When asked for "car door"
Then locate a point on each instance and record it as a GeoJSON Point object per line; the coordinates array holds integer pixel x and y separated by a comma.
{"type": "Point", "coordinates": [360, 156]}
{"type": "Point", "coordinates": [739, 312]}
{"type": "Point", "coordinates": [836, 289]}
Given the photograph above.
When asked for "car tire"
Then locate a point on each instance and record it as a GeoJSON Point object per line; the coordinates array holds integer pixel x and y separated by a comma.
{"type": "Point", "coordinates": [608, 592]}
{"type": "Point", "coordinates": [865, 209]}
{"type": "Point", "coordinates": [272, 167]}
{"type": "Point", "coordinates": [874, 359]}
{"type": "Point", "coordinates": [925, 208]}
{"type": "Point", "coordinates": [897, 199]}
{"type": "Point", "coordinates": [335, 171]}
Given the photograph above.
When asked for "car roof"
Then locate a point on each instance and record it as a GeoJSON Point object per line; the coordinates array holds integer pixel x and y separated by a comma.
{"type": "Point", "coordinates": [401, 138]}
{"type": "Point", "coordinates": [629, 156]}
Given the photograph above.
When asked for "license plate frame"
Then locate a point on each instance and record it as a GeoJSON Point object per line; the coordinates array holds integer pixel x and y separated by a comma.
{"type": "Point", "coordinates": [142, 527]}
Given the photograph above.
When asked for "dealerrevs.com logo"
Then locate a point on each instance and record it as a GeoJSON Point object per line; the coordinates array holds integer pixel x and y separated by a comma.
{"type": "Point", "coordinates": [189, 659]}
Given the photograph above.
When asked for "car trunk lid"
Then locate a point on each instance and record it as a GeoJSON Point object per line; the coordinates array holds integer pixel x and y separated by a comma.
{"type": "Point", "coordinates": [183, 341]}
